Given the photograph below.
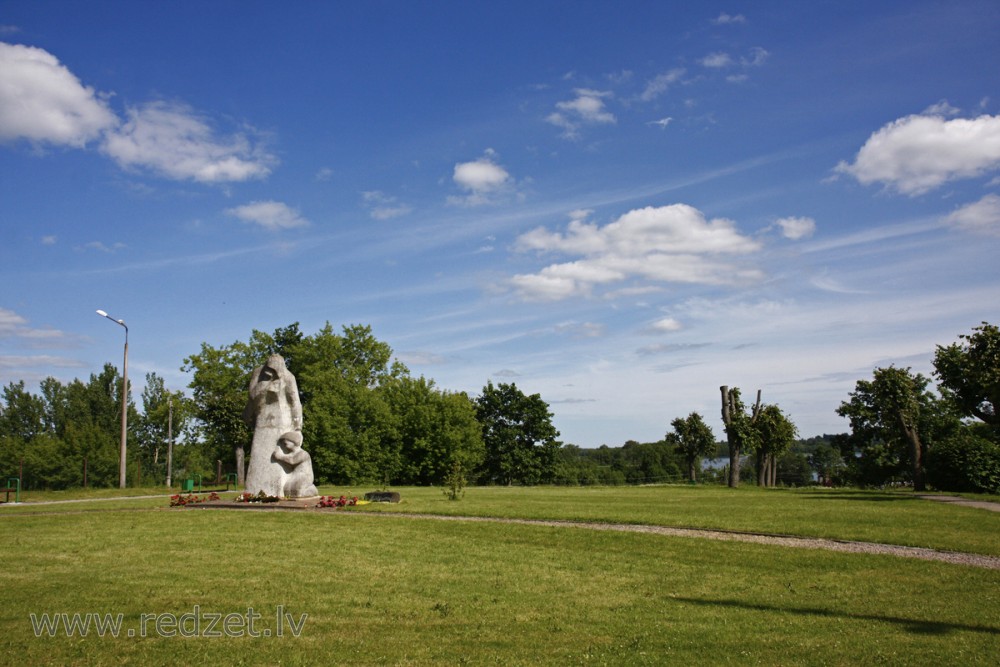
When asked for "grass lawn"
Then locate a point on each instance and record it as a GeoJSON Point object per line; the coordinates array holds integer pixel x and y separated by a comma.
{"type": "Point", "coordinates": [845, 514]}
{"type": "Point", "coordinates": [381, 590]}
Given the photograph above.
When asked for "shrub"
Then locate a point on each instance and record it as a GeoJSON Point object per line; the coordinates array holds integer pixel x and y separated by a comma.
{"type": "Point", "coordinates": [964, 462]}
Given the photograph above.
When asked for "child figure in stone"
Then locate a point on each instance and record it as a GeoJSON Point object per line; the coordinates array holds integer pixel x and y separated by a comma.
{"type": "Point", "coordinates": [297, 481]}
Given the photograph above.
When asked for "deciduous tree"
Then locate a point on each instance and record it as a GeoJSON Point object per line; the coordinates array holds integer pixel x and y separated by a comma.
{"type": "Point", "coordinates": [518, 434]}
{"type": "Point", "coordinates": [969, 373]}
{"type": "Point", "coordinates": [693, 439]}
{"type": "Point", "coordinates": [891, 409]}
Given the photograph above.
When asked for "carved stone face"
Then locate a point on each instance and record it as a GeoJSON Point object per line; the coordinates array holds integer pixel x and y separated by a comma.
{"type": "Point", "coordinates": [271, 375]}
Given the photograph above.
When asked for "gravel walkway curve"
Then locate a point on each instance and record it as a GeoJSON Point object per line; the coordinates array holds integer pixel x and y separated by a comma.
{"type": "Point", "coordinates": [965, 502]}
{"type": "Point", "coordinates": [953, 557]}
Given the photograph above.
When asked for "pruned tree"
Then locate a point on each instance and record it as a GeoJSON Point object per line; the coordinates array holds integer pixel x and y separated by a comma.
{"type": "Point", "coordinates": [741, 434]}
{"type": "Point", "coordinates": [776, 434]}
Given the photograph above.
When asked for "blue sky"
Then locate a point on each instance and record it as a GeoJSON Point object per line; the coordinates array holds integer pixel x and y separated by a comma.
{"type": "Point", "coordinates": [620, 206]}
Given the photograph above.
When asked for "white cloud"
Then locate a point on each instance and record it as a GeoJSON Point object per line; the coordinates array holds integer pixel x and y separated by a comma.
{"type": "Point", "coordinates": [721, 60]}
{"type": "Point", "coordinates": [587, 108]}
{"type": "Point", "coordinates": [32, 361]}
{"type": "Point", "coordinates": [981, 217]}
{"type": "Point", "coordinates": [717, 60]}
{"type": "Point", "coordinates": [172, 140]}
{"type": "Point", "coordinates": [42, 101]}
{"type": "Point", "coordinates": [660, 83]}
{"type": "Point", "coordinates": [271, 215]}
{"type": "Point", "coordinates": [727, 19]}
{"type": "Point", "coordinates": [942, 108]}
{"type": "Point", "coordinates": [666, 244]}
{"type": "Point", "coordinates": [14, 326]}
{"type": "Point", "coordinates": [99, 246]}
{"type": "Point", "coordinates": [10, 322]}
{"type": "Point", "coordinates": [384, 207]}
{"type": "Point", "coordinates": [49, 239]}
{"type": "Point", "coordinates": [421, 358]}
{"type": "Point", "coordinates": [757, 57]}
{"type": "Point", "coordinates": [580, 330]}
{"type": "Point", "coordinates": [662, 123]}
{"type": "Point", "coordinates": [621, 77]}
{"type": "Point", "coordinates": [483, 180]}
{"type": "Point", "coordinates": [666, 325]}
{"type": "Point", "coordinates": [796, 228]}
{"type": "Point", "coordinates": [918, 153]}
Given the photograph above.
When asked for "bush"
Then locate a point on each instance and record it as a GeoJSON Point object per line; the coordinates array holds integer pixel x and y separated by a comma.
{"type": "Point", "coordinates": [964, 462]}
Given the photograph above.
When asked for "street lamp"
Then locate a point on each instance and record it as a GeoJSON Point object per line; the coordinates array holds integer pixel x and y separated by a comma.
{"type": "Point", "coordinates": [121, 453]}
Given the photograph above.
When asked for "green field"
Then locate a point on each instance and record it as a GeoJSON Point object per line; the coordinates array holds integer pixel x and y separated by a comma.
{"type": "Point", "coordinates": [408, 590]}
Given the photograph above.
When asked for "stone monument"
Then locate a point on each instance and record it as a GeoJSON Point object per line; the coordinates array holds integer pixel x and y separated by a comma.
{"type": "Point", "coordinates": [278, 464]}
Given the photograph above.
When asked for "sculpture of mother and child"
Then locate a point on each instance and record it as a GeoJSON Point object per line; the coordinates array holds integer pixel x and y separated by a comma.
{"type": "Point", "coordinates": [278, 464]}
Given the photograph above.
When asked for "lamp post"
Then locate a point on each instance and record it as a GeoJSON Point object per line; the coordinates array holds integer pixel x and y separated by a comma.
{"type": "Point", "coordinates": [121, 453]}
{"type": "Point", "coordinates": [170, 441]}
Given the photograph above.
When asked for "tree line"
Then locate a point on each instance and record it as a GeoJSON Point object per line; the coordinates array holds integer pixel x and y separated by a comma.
{"type": "Point", "coordinates": [366, 419]}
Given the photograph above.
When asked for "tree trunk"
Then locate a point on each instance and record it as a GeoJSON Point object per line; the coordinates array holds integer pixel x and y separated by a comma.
{"type": "Point", "coordinates": [762, 468]}
{"type": "Point", "coordinates": [734, 445]}
{"type": "Point", "coordinates": [916, 454]}
{"type": "Point", "coordinates": [734, 466]}
{"type": "Point", "coordinates": [691, 470]}
{"type": "Point", "coordinates": [240, 468]}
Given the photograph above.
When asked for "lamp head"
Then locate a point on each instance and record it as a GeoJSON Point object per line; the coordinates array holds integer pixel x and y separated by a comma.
{"type": "Point", "coordinates": [102, 313]}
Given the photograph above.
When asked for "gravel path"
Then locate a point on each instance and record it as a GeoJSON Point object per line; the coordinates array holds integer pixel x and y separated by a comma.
{"type": "Point", "coordinates": [954, 557]}
{"type": "Point", "coordinates": [965, 502]}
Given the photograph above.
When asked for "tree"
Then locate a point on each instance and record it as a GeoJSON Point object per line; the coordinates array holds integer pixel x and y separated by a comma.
{"type": "Point", "coordinates": [826, 460]}
{"type": "Point", "coordinates": [67, 428]}
{"type": "Point", "coordinates": [890, 410]}
{"type": "Point", "coordinates": [969, 373]}
{"type": "Point", "coordinates": [219, 388]}
{"type": "Point", "coordinates": [347, 423]}
{"type": "Point", "coordinates": [518, 434]}
{"type": "Point", "coordinates": [22, 414]}
{"type": "Point", "coordinates": [165, 414]}
{"type": "Point", "coordinates": [693, 439]}
{"type": "Point", "coordinates": [740, 432]}
{"type": "Point", "coordinates": [649, 462]}
{"type": "Point", "coordinates": [437, 431]}
{"type": "Point", "coordinates": [775, 436]}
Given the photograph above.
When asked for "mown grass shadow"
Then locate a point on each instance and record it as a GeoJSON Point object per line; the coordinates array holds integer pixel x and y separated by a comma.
{"type": "Point", "coordinates": [913, 625]}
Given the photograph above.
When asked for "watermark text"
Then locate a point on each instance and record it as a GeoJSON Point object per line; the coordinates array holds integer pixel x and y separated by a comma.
{"type": "Point", "coordinates": [195, 623]}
